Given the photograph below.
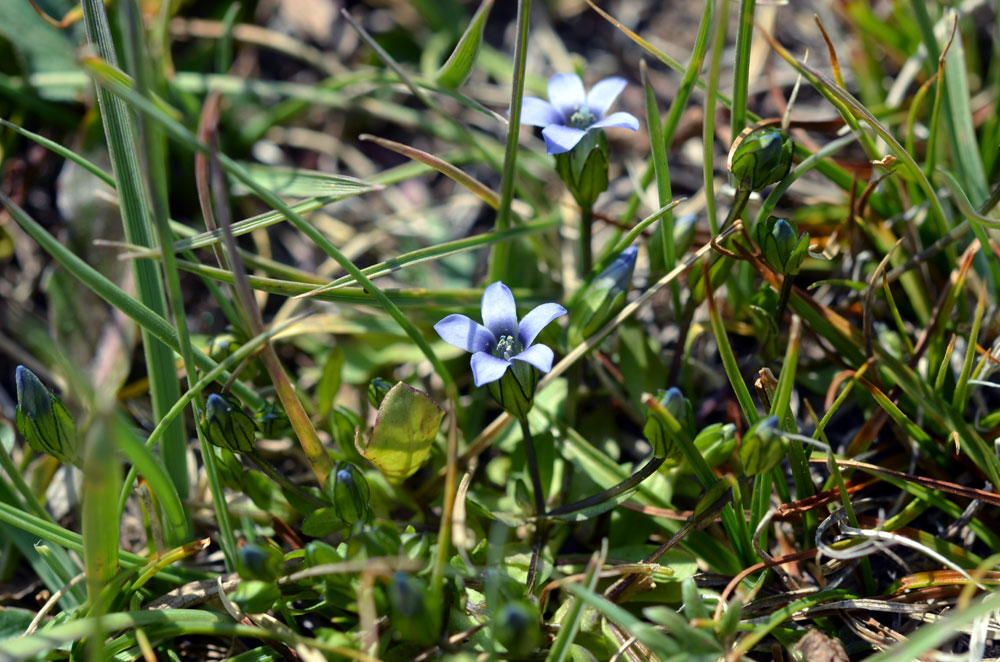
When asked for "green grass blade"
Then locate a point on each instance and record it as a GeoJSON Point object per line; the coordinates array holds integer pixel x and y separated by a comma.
{"type": "Point", "coordinates": [741, 67]}
{"type": "Point", "coordinates": [122, 140]}
{"type": "Point", "coordinates": [499, 256]}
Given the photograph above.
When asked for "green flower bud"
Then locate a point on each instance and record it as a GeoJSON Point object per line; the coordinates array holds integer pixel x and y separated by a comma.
{"type": "Point", "coordinates": [261, 562]}
{"type": "Point", "coordinates": [763, 446]}
{"type": "Point", "coordinates": [378, 388]}
{"type": "Point", "coordinates": [227, 426]}
{"type": "Point", "coordinates": [254, 596]}
{"type": "Point", "coordinates": [515, 391]}
{"type": "Point", "coordinates": [783, 249]}
{"type": "Point", "coordinates": [223, 346]}
{"type": "Point", "coordinates": [661, 431]}
{"type": "Point", "coordinates": [348, 489]}
{"type": "Point", "coordinates": [584, 169]}
{"type": "Point", "coordinates": [413, 617]}
{"type": "Point", "coordinates": [43, 419]}
{"type": "Point", "coordinates": [716, 443]}
{"type": "Point", "coordinates": [759, 158]}
{"type": "Point", "coordinates": [271, 420]}
{"type": "Point", "coordinates": [604, 297]}
{"type": "Point", "coordinates": [516, 626]}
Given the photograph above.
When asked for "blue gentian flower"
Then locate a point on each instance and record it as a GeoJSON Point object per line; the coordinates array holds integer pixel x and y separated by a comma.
{"type": "Point", "coordinates": [570, 111]}
{"type": "Point", "coordinates": [502, 339]}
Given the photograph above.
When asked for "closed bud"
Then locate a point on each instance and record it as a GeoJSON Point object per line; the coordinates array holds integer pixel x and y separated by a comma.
{"type": "Point", "coordinates": [783, 249]}
{"type": "Point", "coordinates": [348, 489]}
{"type": "Point", "coordinates": [604, 297]}
{"type": "Point", "coordinates": [227, 425]}
{"type": "Point", "coordinates": [261, 562]}
{"type": "Point", "coordinates": [763, 446]}
{"type": "Point", "coordinates": [516, 626]}
{"type": "Point", "coordinates": [43, 419]}
{"type": "Point", "coordinates": [378, 388]}
{"type": "Point", "coordinates": [662, 430]}
{"type": "Point", "coordinates": [271, 421]}
{"type": "Point", "coordinates": [716, 443]}
{"type": "Point", "coordinates": [222, 346]}
{"type": "Point", "coordinates": [413, 618]}
{"type": "Point", "coordinates": [759, 158]}
{"type": "Point", "coordinates": [515, 391]}
{"type": "Point", "coordinates": [584, 169]}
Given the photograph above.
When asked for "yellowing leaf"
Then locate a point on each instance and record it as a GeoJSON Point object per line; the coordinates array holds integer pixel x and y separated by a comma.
{"type": "Point", "coordinates": [404, 431]}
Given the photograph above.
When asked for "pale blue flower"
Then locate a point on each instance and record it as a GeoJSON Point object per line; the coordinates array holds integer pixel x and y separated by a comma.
{"type": "Point", "coordinates": [571, 112]}
{"type": "Point", "coordinates": [502, 339]}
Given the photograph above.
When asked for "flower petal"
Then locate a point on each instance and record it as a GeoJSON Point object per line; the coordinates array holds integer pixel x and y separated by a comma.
{"type": "Point", "coordinates": [499, 311]}
{"type": "Point", "coordinates": [560, 139]}
{"type": "Point", "coordinates": [539, 356]}
{"type": "Point", "coordinates": [465, 333]}
{"type": "Point", "coordinates": [487, 368]}
{"type": "Point", "coordinates": [602, 96]}
{"type": "Point", "coordinates": [539, 112]}
{"type": "Point", "coordinates": [566, 93]}
{"type": "Point", "coordinates": [619, 119]}
{"type": "Point", "coordinates": [533, 323]}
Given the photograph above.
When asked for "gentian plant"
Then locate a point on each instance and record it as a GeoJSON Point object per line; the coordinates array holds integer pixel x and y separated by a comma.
{"type": "Point", "coordinates": [569, 119]}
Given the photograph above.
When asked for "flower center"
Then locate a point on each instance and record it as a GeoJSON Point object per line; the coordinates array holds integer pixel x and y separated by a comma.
{"type": "Point", "coordinates": [507, 347]}
{"type": "Point", "coordinates": [582, 118]}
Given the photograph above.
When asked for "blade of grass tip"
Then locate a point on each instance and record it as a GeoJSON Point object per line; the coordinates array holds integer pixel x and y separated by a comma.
{"type": "Point", "coordinates": [121, 136]}
{"type": "Point", "coordinates": [499, 256]}
{"type": "Point", "coordinates": [741, 66]}
{"type": "Point", "coordinates": [961, 398]}
{"type": "Point", "coordinates": [708, 123]}
{"type": "Point", "coordinates": [115, 296]}
{"type": "Point", "coordinates": [99, 68]}
{"type": "Point", "coordinates": [480, 190]}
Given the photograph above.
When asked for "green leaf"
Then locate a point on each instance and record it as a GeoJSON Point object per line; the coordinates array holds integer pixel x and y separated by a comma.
{"type": "Point", "coordinates": [458, 67]}
{"type": "Point", "coordinates": [302, 183]}
{"type": "Point", "coordinates": [404, 432]}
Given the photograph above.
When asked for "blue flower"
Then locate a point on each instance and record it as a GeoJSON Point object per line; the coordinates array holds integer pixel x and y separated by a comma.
{"type": "Point", "coordinates": [502, 340]}
{"type": "Point", "coordinates": [570, 112]}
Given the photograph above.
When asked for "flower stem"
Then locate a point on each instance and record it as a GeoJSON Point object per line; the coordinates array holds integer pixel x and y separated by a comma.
{"type": "Point", "coordinates": [629, 483]}
{"type": "Point", "coordinates": [281, 480]}
{"type": "Point", "coordinates": [540, 524]}
{"type": "Point", "coordinates": [586, 239]}
{"type": "Point", "coordinates": [536, 478]}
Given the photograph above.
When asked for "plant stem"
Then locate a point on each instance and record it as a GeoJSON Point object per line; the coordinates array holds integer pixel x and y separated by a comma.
{"type": "Point", "coordinates": [536, 478]}
{"type": "Point", "coordinates": [586, 241]}
{"type": "Point", "coordinates": [629, 483]}
{"type": "Point", "coordinates": [498, 262]}
{"type": "Point", "coordinates": [283, 481]}
{"type": "Point", "coordinates": [539, 539]}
